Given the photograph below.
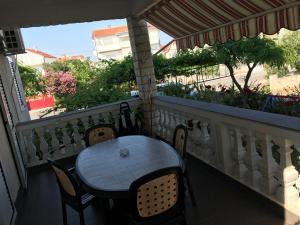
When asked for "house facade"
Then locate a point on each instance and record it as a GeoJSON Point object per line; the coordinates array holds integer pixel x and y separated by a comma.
{"type": "Point", "coordinates": [35, 58]}
{"type": "Point", "coordinates": [113, 42]}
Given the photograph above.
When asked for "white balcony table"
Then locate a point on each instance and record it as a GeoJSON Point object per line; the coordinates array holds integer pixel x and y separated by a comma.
{"type": "Point", "coordinates": [107, 174]}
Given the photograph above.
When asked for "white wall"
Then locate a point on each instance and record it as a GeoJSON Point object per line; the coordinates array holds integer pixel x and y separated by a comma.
{"type": "Point", "coordinates": [34, 60]}
{"type": "Point", "coordinates": [118, 46]}
{"type": "Point", "coordinates": [30, 59]}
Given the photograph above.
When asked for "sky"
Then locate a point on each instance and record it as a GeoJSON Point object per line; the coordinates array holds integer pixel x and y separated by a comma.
{"type": "Point", "coordinates": [71, 39]}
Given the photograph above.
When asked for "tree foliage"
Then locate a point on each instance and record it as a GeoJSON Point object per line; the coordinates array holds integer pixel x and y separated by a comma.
{"type": "Point", "coordinates": [290, 43]}
{"type": "Point", "coordinates": [248, 51]}
{"type": "Point", "coordinates": [32, 80]}
{"type": "Point", "coordinates": [111, 80]}
{"type": "Point", "coordinates": [60, 83]}
{"type": "Point", "coordinates": [83, 71]}
{"type": "Point", "coordinates": [93, 86]}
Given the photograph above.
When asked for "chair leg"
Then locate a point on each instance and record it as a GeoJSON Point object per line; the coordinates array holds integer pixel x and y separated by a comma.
{"type": "Point", "coordinates": [64, 210]}
{"type": "Point", "coordinates": [190, 190]}
{"type": "Point", "coordinates": [81, 215]}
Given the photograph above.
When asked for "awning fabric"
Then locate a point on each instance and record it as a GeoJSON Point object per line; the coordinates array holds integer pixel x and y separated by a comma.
{"type": "Point", "coordinates": [198, 22]}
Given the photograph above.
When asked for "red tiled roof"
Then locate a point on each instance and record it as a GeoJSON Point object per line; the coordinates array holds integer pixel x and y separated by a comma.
{"type": "Point", "coordinates": [40, 53]}
{"type": "Point", "coordinates": [111, 31]}
{"type": "Point", "coordinates": [68, 57]}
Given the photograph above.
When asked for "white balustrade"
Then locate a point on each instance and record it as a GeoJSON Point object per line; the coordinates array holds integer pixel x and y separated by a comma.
{"type": "Point", "coordinates": [252, 147]}
{"type": "Point", "coordinates": [62, 135]}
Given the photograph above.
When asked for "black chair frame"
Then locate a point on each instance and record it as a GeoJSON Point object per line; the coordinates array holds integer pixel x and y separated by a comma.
{"type": "Point", "coordinates": [74, 202]}
{"type": "Point", "coordinates": [181, 126]}
{"type": "Point", "coordinates": [184, 157]}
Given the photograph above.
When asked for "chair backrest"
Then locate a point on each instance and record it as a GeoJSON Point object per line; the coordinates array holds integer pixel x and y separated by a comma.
{"type": "Point", "coordinates": [66, 182]}
{"type": "Point", "coordinates": [158, 194]}
{"type": "Point", "coordinates": [180, 139]}
{"type": "Point", "coordinates": [99, 133]}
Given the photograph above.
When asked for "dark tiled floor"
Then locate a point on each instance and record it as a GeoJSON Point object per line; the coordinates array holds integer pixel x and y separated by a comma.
{"type": "Point", "coordinates": [220, 202]}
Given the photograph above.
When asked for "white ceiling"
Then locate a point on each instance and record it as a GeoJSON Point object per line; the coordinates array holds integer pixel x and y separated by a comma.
{"type": "Point", "coordinates": [31, 13]}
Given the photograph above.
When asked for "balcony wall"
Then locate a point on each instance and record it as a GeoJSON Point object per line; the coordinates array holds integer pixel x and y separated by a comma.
{"type": "Point", "coordinates": [255, 148]}
{"type": "Point", "coordinates": [62, 136]}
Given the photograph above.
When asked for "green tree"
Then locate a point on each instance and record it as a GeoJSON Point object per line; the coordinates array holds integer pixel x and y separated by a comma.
{"type": "Point", "coordinates": [83, 71]}
{"type": "Point", "coordinates": [91, 87]}
{"type": "Point", "coordinates": [248, 51]}
{"type": "Point", "coordinates": [118, 72]}
{"type": "Point", "coordinates": [32, 80]}
{"type": "Point", "coordinates": [290, 43]}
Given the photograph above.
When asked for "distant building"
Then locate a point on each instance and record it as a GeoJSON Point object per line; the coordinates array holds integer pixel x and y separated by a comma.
{"type": "Point", "coordinates": [113, 42]}
{"type": "Point", "coordinates": [35, 58]}
{"type": "Point", "coordinates": [70, 57]}
{"type": "Point", "coordinates": [169, 50]}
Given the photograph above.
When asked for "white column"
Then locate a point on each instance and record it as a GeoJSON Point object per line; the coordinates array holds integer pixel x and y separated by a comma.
{"type": "Point", "coordinates": [143, 65]}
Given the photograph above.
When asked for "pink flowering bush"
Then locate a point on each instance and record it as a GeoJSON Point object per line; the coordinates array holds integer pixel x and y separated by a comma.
{"type": "Point", "coordinates": [60, 83]}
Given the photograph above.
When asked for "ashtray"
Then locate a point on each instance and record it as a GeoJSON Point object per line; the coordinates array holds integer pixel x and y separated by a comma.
{"type": "Point", "coordinates": [124, 152]}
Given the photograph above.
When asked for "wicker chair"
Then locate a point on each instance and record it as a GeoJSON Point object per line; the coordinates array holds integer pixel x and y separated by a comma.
{"type": "Point", "coordinates": [71, 193]}
{"type": "Point", "coordinates": [179, 143]}
{"type": "Point", "coordinates": [158, 198]}
{"type": "Point", "coordinates": [99, 133]}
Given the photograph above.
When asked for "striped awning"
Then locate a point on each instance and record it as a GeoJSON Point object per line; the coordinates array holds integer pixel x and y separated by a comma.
{"type": "Point", "coordinates": [198, 22]}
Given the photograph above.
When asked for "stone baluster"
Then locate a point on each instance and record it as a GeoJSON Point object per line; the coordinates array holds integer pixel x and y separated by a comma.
{"type": "Point", "coordinates": [238, 155]}
{"type": "Point", "coordinates": [164, 122]}
{"type": "Point", "coordinates": [204, 135]}
{"type": "Point", "coordinates": [78, 142]}
{"type": "Point", "coordinates": [55, 145]}
{"type": "Point", "coordinates": [286, 193]}
{"type": "Point", "coordinates": [176, 118]}
{"type": "Point", "coordinates": [168, 124]}
{"type": "Point", "coordinates": [116, 119]}
{"type": "Point", "coordinates": [212, 132]}
{"type": "Point", "coordinates": [85, 123]}
{"type": "Point", "coordinates": [157, 128]}
{"type": "Point", "coordinates": [28, 147]}
{"type": "Point", "coordinates": [206, 152]}
{"type": "Point", "coordinates": [268, 167]}
{"type": "Point", "coordinates": [111, 118]}
{"type": "Point", "coordinates": [253, 176]}
{"type": "Point", "coordinates": [43, 147]}
{"type": "Point", "coordinates": [66, 138]}
{"type": "Point", "coordinates": [90, 121]}
{"type": "Point", "coordinates": [101, 118]}
{"type": "Point", "coordinates": [224, 148]}
{"type": "Point", "coordinates": [95, 118]}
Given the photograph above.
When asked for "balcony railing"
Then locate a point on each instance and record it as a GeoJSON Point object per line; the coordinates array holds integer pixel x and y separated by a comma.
{"type": "Point", "coordinates": [62, 136]}
{"type": "Point", "coordinates": [258, 149]}
{"type": "Point", "coordinates": [255, 148]}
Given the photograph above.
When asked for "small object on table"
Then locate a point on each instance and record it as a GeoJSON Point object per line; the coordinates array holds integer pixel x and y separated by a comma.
{"type": "Point", "coordinates": [124, 152]}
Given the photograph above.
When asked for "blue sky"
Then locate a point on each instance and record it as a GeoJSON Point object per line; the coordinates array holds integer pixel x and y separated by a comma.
{"type": "Point", "coordinates": [71, 39]}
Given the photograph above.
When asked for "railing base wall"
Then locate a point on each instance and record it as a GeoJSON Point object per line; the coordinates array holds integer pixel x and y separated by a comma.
{"type": "Point", "coordinates": [289, 215]}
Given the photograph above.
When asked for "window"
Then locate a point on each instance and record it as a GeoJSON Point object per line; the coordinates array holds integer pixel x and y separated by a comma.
{"type": "Point", "coordinates": [107, 41]}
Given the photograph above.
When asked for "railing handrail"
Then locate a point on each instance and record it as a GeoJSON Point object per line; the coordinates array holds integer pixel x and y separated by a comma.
{"type": "Point", "coordinates": [72, 115]}
{"type": "Point", "coordinates": [270, 119]}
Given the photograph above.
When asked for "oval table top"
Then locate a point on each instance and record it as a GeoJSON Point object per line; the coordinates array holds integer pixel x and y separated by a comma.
{"type": "Point", "coordinates": [105, 173]}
